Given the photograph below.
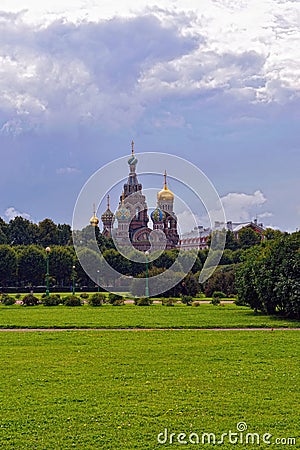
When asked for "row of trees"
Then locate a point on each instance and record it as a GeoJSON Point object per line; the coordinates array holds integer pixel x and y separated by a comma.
{"type": "Point", "coordinates": [268, 278]}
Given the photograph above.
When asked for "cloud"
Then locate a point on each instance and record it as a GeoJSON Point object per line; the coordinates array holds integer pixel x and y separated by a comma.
{"type": "Point", "coordinates": [11, 213]}
{"type": "Point", "coordinates": [67, 170]}
{"type": "Point", "coordinates": [240, 207]}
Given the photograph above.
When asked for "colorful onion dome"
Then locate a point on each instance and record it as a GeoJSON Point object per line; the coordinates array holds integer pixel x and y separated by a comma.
{"type": "Point", "coordinates": [123, 214]}
{"type": "Point", "coordinates": [158, 215]}
{"type": "Point", "coordinates": [132, 160]}
{"type": "Point", "coordinates": [107, 216]}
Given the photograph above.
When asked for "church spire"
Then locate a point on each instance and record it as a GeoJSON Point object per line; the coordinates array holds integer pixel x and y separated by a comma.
{"type": "Point", "coordinates": [132, 147]}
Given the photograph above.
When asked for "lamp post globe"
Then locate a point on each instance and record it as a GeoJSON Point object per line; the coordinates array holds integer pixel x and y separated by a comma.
{"type": "Point", "coordinates": [48, 250]}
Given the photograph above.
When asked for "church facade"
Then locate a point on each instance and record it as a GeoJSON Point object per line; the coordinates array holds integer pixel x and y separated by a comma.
{"type": "Point", "coordinates": [132, 216]}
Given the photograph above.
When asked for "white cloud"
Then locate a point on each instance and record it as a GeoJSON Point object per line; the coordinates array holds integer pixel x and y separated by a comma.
{"type": "Point", "coordinates": [67, 170]}
{"type": "Point", "coordinates": [240, 207]}
{"type": "Point", "coordinates": [12, 212]}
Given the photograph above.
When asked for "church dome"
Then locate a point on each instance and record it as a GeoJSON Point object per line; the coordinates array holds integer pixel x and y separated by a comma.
{"type": "Point", "coordinates": [123, 214]}
{"type": "Point", "coordinates": [107, 215]}
{"type": "Point", "coordinates": [132, 160]}
{"type": "Point", "coordinates": [158, 215]}
{"type": "Point", "coordinates": [165, 193]}
{"type": "Point", "coordinates": [94, 221]}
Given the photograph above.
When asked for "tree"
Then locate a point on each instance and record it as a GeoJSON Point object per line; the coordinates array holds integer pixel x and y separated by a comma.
{"type": "Point", "coordinates": [22, 232]}
{"type": "Point", "coordinates": [248, 237]}
{"type": "Point", "coordinates": [4, 239]}
{"type": "Point", "coordinates": [8, 265]}
{"type": "Point", "coordinates": [231, 241]}
{"type": "Point", "coordinates": [48, 233]}
{"type": "Point", "coordinates": [64, 234]}
{"type": "Point", "coordinates": [32, 265]}
{"type": "Point", "coordinates": [61, 262]}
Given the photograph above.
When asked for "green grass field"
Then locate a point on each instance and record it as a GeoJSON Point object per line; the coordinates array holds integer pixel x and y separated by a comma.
{"type": "Point", "coordinates": [131, 316]}
{"type": "Point", "coordinates": [120, 389]}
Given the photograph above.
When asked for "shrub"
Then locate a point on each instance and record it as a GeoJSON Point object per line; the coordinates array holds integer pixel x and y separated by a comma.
{"type": "Point", "coordinates": [97, 299]}
{"type": "Point", "coordinates": [72, 300]}
{"type": "Point", "coordinates": [18, 296]}
{"type": "Point", "coordinates": [30, 300]}
{"type": "Point", "coordinates": [168, 301]}
{"type": "Point", "coordinates": [112, 298]}
{"type": "Point", "coordinates": [118, 302]}
{"type": "Point", "coordinates": [215, 301]}
{"type": "Point", "coordinates": [84, 295]}
{"type": "Point", "coordinates": [51, 300]}
{"type": "Point", "coordinates": [143, 301]}
{"type": "Point", "coordinates": [240, 302]}
{"type": "Point", "coordinates": [218, 294]}
{"type": "Point", "coordinates": [7, 300]}
{"type": "Point", "coordinates": [187, 300]}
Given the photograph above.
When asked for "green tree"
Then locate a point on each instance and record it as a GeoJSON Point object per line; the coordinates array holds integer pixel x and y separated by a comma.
{"type": "Point", "coordinates": [4, 238]}
{"type": "Point", "coordinates": [32, 265]}
{"type": "Point", "coordinates": [248, 237]}
{"type": "Point", "coordinates": [22, 232]}
{"type": "Point", "coordinates": [8, 265]}
{"type": "Point", "coordinates": [61, 262]}
{"type": "Point", "coordinates": [48, 233]}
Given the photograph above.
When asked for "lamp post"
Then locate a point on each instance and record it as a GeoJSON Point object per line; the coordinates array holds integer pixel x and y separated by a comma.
{"type": "Point", "coordinates": [98, 288]}
{"type": "Point", "coordinates": [73, 280]}
{"type": "Point", "coordinates": [147, 276]}
{"type": "Point", "coordinates": [47, 270]}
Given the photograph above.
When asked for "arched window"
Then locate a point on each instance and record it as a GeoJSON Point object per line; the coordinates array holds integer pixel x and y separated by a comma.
{"type": "Point", "coordinates": [137, 212]}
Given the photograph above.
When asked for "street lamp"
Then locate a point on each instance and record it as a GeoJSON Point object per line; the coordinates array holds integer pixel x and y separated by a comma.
{"type": "Point", "coordinates": [73, 280]}
{"type": "Point", "coordinates": [48, 250]}
{"type": "Point", "coordinates": [98, 288]}
{"type": "Point", "coordinates": [147, 275]}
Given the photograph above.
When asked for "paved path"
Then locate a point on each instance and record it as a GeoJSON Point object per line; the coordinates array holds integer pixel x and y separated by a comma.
{"type": "Point", "coordinates": [146, 329]}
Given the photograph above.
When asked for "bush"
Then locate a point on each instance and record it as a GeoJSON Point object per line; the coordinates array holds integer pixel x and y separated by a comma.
{"type": "Point", "coordinates": [51, 300]}
{"type": "Point", "coordinates": [143, 301]}
{"type": "Point", "coordinates": [218, 294]}
{"type": "Point", "coordinates": [7, 300]}
{"type": "Point", "coordinates": [119, 302]}
{"type": "Point", "coordinates": [215, 301]}
{"type": "Point", "coordinates": [72, 300]}
{"type": "Point", "coordinates": [97, 300]}
{"type": "Point", "coordinates": [30, 300]}
{"type": "Point", "coordinates": [113, 298]}
{"type": "Point", "coordinates": [240, 302]}
{"type": "Point", "coordinates": [18, 296]}
{"type": "Point", "coordinates": [84, 295]}
{"type": "Point", "coordinates": [187, 300]}
{"type": "Point", "coordinates": [168, 301]}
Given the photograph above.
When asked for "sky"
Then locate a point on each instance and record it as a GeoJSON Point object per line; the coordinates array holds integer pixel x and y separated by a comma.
{"type": "Point", "coordinates": [214, 81]}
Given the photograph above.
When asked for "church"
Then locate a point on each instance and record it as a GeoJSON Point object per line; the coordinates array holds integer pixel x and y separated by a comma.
{"type": "Point", "coordinates": [132, 216]}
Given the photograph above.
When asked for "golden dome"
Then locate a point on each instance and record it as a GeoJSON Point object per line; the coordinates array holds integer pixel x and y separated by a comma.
{"type": "Point", "coordinates": [165, 193]}
{"type": "Point", "coordinates": [94, 221]}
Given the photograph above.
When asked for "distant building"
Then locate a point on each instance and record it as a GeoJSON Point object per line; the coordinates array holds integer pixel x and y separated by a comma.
{"type": "Point", "coordinates": [198, 237]}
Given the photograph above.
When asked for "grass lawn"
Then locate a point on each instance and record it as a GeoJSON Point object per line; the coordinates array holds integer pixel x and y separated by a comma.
{"type": "Point", "coordinates": [131, 316]}
{"type": "Point", "coordinates": [119, 389]}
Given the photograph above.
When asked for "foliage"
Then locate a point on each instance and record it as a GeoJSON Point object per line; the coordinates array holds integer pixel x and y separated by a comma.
{"type": "Point", "coordinates": [223, 279]}
{"type": "Point", "coordinates": [215, 301]}
{"type": "Point", "coordinates": [7, 300]}
{"type": "Point", "coordinates": [8, 264]}
{"type": "Point", "coordinates": [84, 295]}
{"type": "Point", "coordinates": [187, 300]}
{"type": "Point", "coordinates": [219, 294]}
{"type": "Point", "coordinates": [51, 300]}
{"type": "Point", "coordinates": [97, 299]}
{"type": "Point", "coordinates": [30, 300]}
{"type": "Point", "coordinates": [32, 265]}
{"type": "Point", "coordinates": [168, 301]}
{"type": "Point", "coordinates": [72, 300]}
{"type": "Point", "coordinates": [248, 238]}
{"type": "Point", "coordinates": [269, 277]}
{"type": "Point", "coordinates": [143, 301]}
